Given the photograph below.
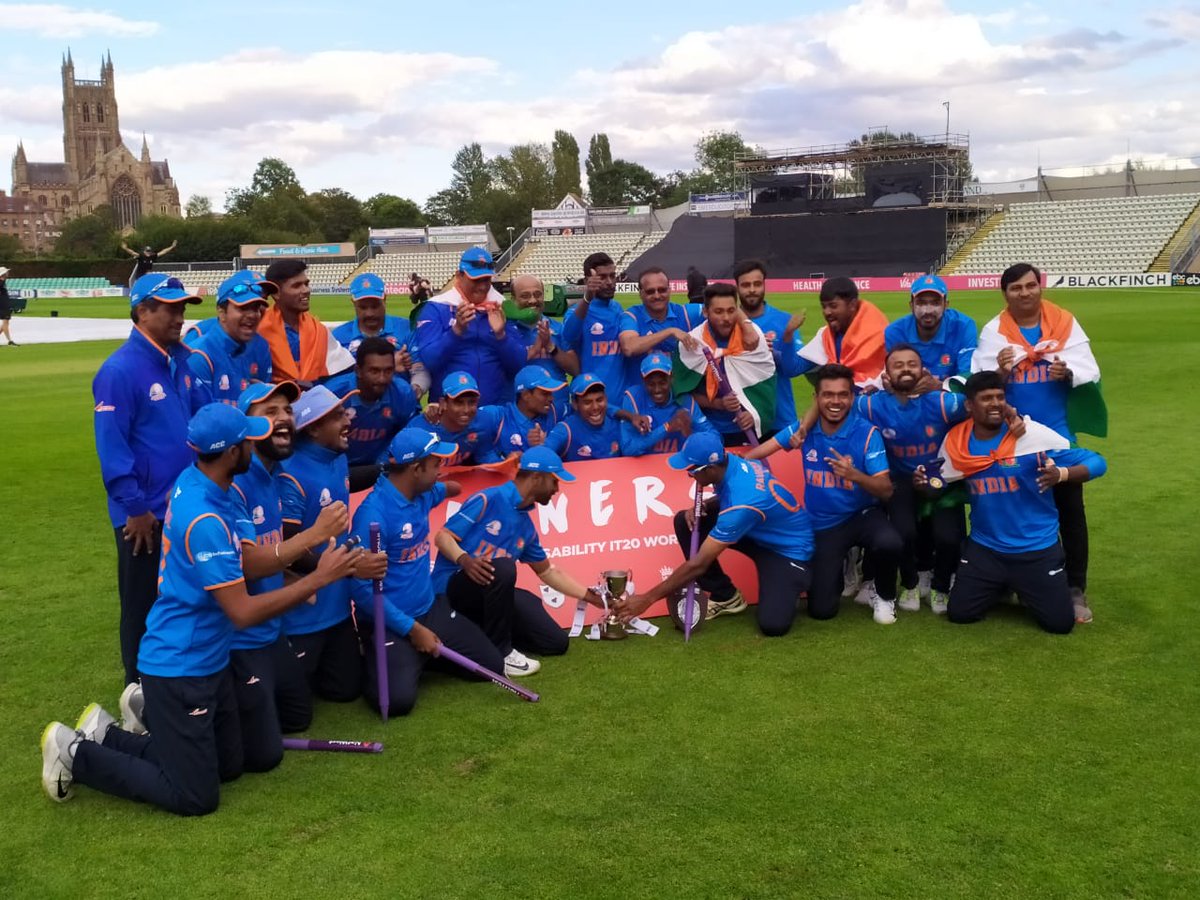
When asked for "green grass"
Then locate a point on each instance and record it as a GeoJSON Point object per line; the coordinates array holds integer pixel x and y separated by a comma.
{"type": "Point", "coordinates": [844, 760]}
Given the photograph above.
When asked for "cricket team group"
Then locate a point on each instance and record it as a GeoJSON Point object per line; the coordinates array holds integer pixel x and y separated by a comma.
{"type": "Point", "coordinates": [229, 456]}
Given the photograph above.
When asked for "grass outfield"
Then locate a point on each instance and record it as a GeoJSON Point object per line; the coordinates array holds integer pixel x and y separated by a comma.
{"type": "Point", "coordinates": [843, 760]}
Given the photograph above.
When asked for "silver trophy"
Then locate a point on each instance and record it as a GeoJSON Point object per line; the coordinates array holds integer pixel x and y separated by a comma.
{"type": "Point", "coordinates": [615, 582]}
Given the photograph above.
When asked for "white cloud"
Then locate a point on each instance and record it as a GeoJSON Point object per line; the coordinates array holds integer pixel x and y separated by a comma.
{"type": "Point", "coordinates": [53, 20]}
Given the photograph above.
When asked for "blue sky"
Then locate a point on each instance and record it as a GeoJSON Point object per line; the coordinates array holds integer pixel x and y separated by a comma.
{"type": "Point", "coordinates": [380, 98]}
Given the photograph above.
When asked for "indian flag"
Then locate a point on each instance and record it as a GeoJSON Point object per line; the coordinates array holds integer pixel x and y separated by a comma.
{"type": "Point", "coordinates": [1062, 338]}
{"type": "Point", "coordinates": [750, 373]}
{"type": "Point", "coordinates": [959, 462]}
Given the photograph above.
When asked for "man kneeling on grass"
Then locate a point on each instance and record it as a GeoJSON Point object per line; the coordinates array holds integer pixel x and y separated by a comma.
{"type": "Point", "coordinates": [751, 513]}
{"type": "Point", "coordinates": [184, 656]}
{"type": "Point", "coordinates": [476, 568]}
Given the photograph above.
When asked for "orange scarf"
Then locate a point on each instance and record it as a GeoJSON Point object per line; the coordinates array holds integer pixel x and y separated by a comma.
{"type": "Point", "coordinates": [958, 449]}
{"type": "Point", "coordinates": [314, 347]}
{"type": "Point", "coordinates": [862, 344]}
{"type": "Point", "coordinates": [1056, 324]}
{"type": "Point", "coordinates": [735, 347]}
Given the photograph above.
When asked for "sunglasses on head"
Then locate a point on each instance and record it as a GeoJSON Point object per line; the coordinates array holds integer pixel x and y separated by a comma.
{"type": "Point", "coordinates": [169, 283]}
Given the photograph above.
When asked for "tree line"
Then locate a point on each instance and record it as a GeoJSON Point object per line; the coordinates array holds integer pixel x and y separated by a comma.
{"type": "Point", "coordinates": [501, 190]}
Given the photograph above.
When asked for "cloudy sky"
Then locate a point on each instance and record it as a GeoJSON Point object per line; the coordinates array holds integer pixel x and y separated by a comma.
{"type": "Point", "coordinates": [379, 98]}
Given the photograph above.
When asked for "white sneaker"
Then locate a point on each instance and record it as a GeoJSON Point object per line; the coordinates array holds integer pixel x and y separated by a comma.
{"type": "Point", "coordinates": [924, 584]}
{"type": "Point", "coordinates": [884, 611]}
{"type": "Point", "coordinates": [865, 596]}
{"type": "Point", "coordinates": [939, 602]}
{"type": "Point", "coordinates": [133, 706]}
{"type": "Point", "coordinates": [517, 665]}
{"type": "Point", "coordinates": [910, 599]}
{"type": "Point", "coordinates": [94, 723]}
{"type": "Point", "coordinates": [852, 580]}
{"type": "Point", "coordinates": [58, 756]}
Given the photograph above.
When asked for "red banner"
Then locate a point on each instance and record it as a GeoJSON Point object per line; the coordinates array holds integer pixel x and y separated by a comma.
{"type": "Point", "coordinates": [616, 514]}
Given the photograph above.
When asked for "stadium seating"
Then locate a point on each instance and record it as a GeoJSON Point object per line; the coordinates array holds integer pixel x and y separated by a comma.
{"type": "Point", "coordinates": [395, 268]}
{"type": "Point", "coordinates": [321, 274]}
{"type": "Point", "coordinates": [58, 284]}
{"type": "Point", "coordinates": [557, 259]}
{"type": "Point", "coordinates": [1119, 234]}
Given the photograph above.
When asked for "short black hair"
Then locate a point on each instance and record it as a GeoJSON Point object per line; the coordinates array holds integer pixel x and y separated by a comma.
{"type": "Point", "coordinates": [151, 305]}
{"type": "Point", "coordinates": [209, 458]}
{"type": "Point", "coordinates": [832, 372]}
{"type": "Point", "coordinates": [373, 346]}
{"type": "Point", "coordinates": [902, 346]}
{"type": "Point", "coordinates": [983, 381]}
{"type": "Point", "coordinates": [283, 269]}
{"type": "Point", "coordinates": [595, 261]}
{"type": "Point", "coordinates": [1016, 272]}
{"type": "Point", "coordinates": [749, 265]}
{"type": "Point", "coordinates": [838, 288]}
{"type": "Point", "coordinates": [718, 290]}
{"type": "Point", "coordinates": [653, 270]}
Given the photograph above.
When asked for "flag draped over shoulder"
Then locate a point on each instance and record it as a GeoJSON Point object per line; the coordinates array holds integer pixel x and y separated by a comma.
{"type": "Point", "coordinates": [1062, 337]}
{"type": "Point", "coordinates": [751, 373]}
{"type": "Point", "coordinates": [862, 348]}
{"type": "Point", "coordinates": [960, 462]}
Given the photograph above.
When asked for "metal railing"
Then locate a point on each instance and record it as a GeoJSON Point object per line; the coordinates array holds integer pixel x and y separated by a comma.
{"type": "Point", "coordinates": [513, 250]}
{"type": "Point", "coordinates": [1186, 253]}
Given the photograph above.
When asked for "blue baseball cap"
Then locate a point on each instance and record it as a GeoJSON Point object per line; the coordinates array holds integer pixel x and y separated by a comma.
{"type": "Point", "coordinates": [459, 383]}
{"type": "Point", "coordinates": [532, 377]}
{"type": "Point", "coordinates": [316, 403]}
{"type": "Point", "coordinates": [219, 426]}
{"type": "Point", "coordinates": [656, 362]}
{"type": "Point", "coordinates": [244, 288]}
{"type": "Point", "coordinates": [367, 285]}
{"type": "Point", "coordinates": [164, 288]}
{"type": "Point", "coordinates": [585, 382]}
{"type": "Point", "coordinates": [543, 459]}
{"type": "Point", "coordinates": [702, 449]}
{"type": "Point", "coordinates": [261, 390]}
{"type": "Point", "coordinates": [477, 263]}
{"type": "Point", "coordinates": [411, 444]}
{"type": "Point", "coordinates": [931, 284]}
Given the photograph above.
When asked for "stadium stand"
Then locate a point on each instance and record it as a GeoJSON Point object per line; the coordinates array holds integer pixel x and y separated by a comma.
{"type": "Point", "coordinates": [1116, 234]}
{"type": "Point", "coordinates": [559, 258]}
{"type": "Point", "coordinates": [57, 284]}
{"type": "Point", "coordinates": [395, 268]}
{"type": "Point", "coordinates": [203, 281]}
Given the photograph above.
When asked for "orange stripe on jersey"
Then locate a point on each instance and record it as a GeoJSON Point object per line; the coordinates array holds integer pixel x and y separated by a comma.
{"type": "Point", "coordinates": [188, 534]}
{"type": "Point", "coordinates": [224, 584]}
{"type": "Point", "coordinates": [744, 506]}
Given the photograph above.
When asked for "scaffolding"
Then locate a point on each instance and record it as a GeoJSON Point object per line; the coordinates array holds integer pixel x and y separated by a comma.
{"type": "Point", "coordinates": [843, 167]}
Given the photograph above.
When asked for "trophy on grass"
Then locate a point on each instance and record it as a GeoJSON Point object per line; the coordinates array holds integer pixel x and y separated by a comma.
{"type": "Point", "coordinates": [615, 581]}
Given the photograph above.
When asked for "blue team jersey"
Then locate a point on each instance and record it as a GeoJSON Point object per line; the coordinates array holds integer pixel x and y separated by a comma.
{"type": "Point", "coordinates": [661, 439]}
{"type": "Point", "coordinates": [493, 363]}
{"type": "Point", "coordinates": [788, 362]}
{"type": "Point", "coordinates": [596, 338]}
{"type": "Point", "coordinates": [1030, 391]}
{"type": "Point", "coordinates": [396, 331]}
{"type": "Point", "coordinates": [373, 425]}
{"type": "Point", "coordinates": [831, 500]}
{"type": "Point", "coordinates": [260, 495]}
{"type": "Point", "coordinates": [529, 333]}
{"type": "Point", "coordinates": [312, 478]}
{"type": "Point", "coordinates": [404, 537]}
{"type": "Point", "coordinates": [1008, 513]}
{"type": "Point", "coordinates": [756, 506]}
{"type": "Point", "coordinates": [513, 436]}
{"type": "Point", "coordinates": [491, 525]}
{"type": "Point", "coordinates": [222, 367]}
{"type": "Point", "coordinates": [144, 397]}
{"type": "Point", "coordinates": [948, 352]}
{"type": "Point", "coordinates": [188, 635]}
{"type": "Point", "coordinates": [912, 431]}
{"type": "Point", "coordinates": [575, 440]}
{"type": "Point", "coordinates": [199, 329]}
{"type": "Point", "coordinates": [477, 443]}
{"type": "Point", "coordinates": [638, 321]}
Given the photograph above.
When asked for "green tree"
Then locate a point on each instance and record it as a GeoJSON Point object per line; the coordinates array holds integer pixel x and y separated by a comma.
{"type": "Point", "coordinates": [93, 235]}
{"type": "Point", "coordinates": [338, 213]}
{"type": "Point", "coordinates": [198, 206]}
{"type": "Point", "coordinates": [622, 183]}
{"type": "Point", "coordinates": [462, 202]}
{"type": "Point", "coordinates": [565, 153]}
{"type": "Point", "coordinates": [526, 174]}
{"type": "Point", "coordinates": [716, 153]}
{"type": "Point", "coordinates": [10, 247]}
{"type": "Point", "coordinates": [599, 156]}
{"type": "Point", "coordinates": [275, 201]}
{"type": "Point", "coordinates": [390, 211]}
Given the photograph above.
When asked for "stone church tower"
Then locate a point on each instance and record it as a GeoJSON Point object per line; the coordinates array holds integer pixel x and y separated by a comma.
{"type": "Point", "coordinates": [98, 168]}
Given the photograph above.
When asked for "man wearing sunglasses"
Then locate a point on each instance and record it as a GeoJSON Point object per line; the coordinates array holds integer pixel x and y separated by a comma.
{"type": "Point", "coordinates": [144, 398]}
{"type": "Point", "coordinates": [752, 513]}
{"type": "Point", "coordinates": [229, 358]}
{"type": "Point", "coordinates": [656, 324]}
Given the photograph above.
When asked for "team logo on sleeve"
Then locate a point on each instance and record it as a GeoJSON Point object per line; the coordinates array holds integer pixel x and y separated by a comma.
{"type": "Point", "coordinates": [493, 527]}
{"type": "Point", "coordinates": [406, 531]}
{"type": "Point", "coordinates": [258, 516]}
{"type": "Point", "coordinates": [105, 407]}
{"type": "Point", "coordinates": [157, 392]}
{"type": "Point", "coordinates": [326, 498]}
